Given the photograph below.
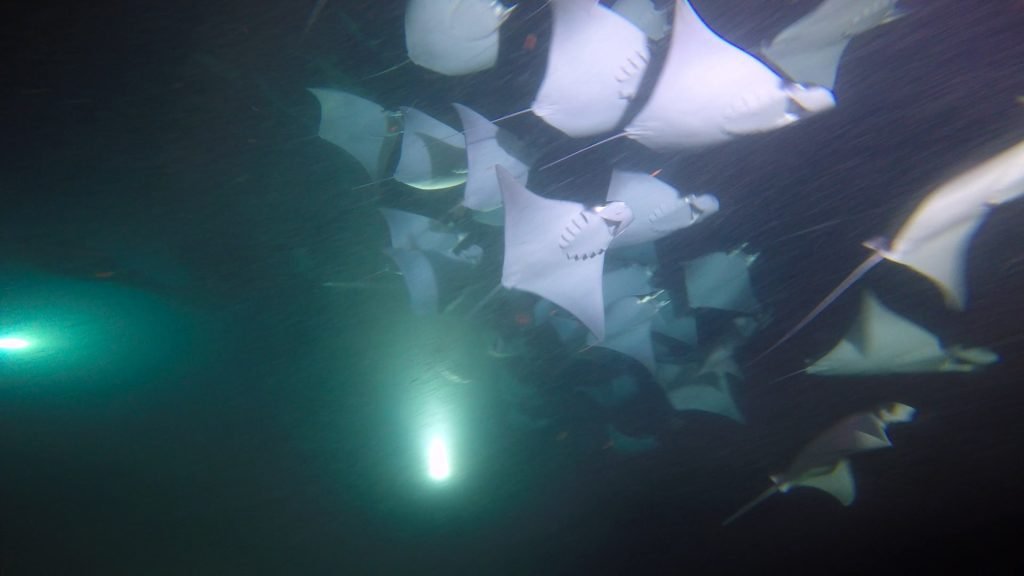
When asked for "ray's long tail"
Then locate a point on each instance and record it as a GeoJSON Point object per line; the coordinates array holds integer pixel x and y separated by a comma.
{"type": "Point", "coordinates": [479, 305]}
{"type": "Point", "coordinates": [582, 150]}
{"type": "Point", "coordinates": [750, 505]}
{"type": "Point", "coordinates": [313, 15]}
{"type": "Point", "coordinates": [836, 292]}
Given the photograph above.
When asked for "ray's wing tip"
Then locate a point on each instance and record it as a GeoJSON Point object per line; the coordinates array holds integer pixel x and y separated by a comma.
{"type": "Point", "coordinates": [506, 182]}
{"type": "Point", "coordinates": [955, 299]}
{"type": "Point", "coordinates": [896, 412]}
{"type": "Point", "coordinates": [978, 357]}
{"type": "Point", "coordinates": [897, 12]}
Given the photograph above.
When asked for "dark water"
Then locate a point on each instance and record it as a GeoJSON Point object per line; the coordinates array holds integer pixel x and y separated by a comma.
{"type": "Point", "coordinates": [161, 179]}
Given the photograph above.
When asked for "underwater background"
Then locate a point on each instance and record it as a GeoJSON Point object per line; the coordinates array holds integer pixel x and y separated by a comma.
{"type": "Point", "coordinates": [233, 389]}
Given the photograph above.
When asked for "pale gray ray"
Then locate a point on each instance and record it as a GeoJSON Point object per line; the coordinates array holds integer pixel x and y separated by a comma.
{"type": "Point", "coordinates": [433, 153]}
{"type": "Point", "coordinates": [555, 249]}
{"type": "Point", "coordinates": [595, 64]}
{"type": "Point", "coordinates": [711, 91]}
{"type": "Point", "coordinates": [454, 37]}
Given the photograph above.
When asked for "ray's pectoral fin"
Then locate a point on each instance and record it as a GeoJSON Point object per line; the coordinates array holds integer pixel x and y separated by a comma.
{"type": "Point", "coordinates": [973, 357]}
{"type": "Point", "coordinates": [836, 481]}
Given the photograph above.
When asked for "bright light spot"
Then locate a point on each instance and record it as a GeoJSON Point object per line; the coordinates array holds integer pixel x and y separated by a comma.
{"type": "Point", "coordinates": [13, 343]}
{"type": "Point", "coordinates": [438, 465]}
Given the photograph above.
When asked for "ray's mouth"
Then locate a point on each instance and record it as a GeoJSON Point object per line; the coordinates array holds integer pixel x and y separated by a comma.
{"type": "Point", "coordinates": [614, 226]}
{"type": "Point", "coordinates": [615, 215]}
{"type": "Point", "coordinates": [696, 212]}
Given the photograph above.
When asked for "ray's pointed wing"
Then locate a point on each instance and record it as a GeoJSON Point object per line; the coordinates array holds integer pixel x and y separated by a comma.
{"type": "Point", "coordinates": [433, 153]}
{"type": "Point", "coordinates": [809, 50]}
{"type": "Point", "coordinates": [935, 240]}
{"type": "Point", "coordinates": [721, 361]}
{"type": "Point", "coordinates": [628, 329]}
{"type": "Point", "coordinates": [886, 335]}
{"type": "Point", "coordinates": [710, 91]}
{"type": "Point", "coordinates": [686, 389]}
{"type": "Point", "coordinates": [595, 64]}
{"type": "Point", "coordinates": [487, 146]}
{"type": "Point", "coordinates": [704, 397]}
{"type": "Point", "coordinates": [435, 281]}
{"type": "Point", "coordinates": [720, 280]}
{"type": "Point", "coordinates": [837, 481]}
{"type": "Point", "coordinates": [555, 249]}
{"type": "Point", "coordinates": [818, 66]}
{"type": "Point", "coordinates": [682, 328]}
{"type": "Point", "coordinates": [358, 126]}
{"type": "Point", "coordinates": [454, 37]}
{"type": "Point", "coordinates": [420, 280]}
{"type": "Point", "coordinates": [417, 232]}
{"type": "Point", "coordinates": [628, 280]}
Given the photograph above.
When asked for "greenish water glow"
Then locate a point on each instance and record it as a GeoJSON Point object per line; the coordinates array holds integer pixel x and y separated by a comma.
{"type": "Point", "coordinates": [59, 329]}
{"type": "Point", "coordinates": [439, 465]}
{"type": "Point", "coordinates": [14, 343]}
